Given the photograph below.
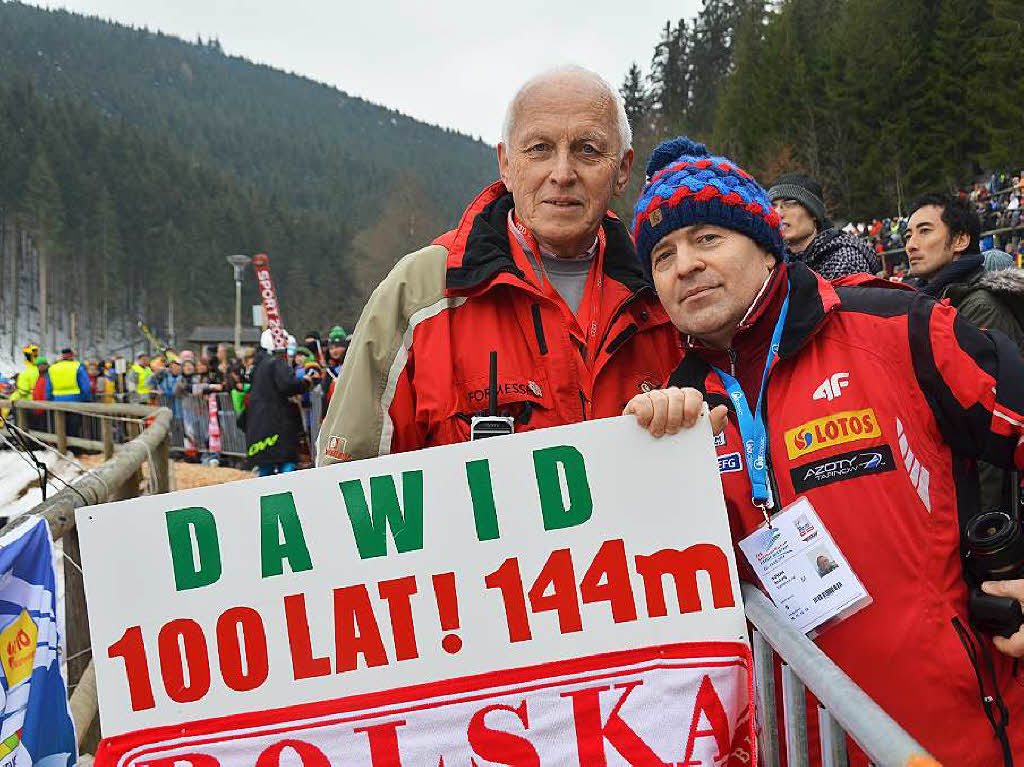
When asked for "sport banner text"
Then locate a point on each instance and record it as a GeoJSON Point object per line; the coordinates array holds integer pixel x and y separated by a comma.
{"type": "Point", "coordinates": [565, 596]}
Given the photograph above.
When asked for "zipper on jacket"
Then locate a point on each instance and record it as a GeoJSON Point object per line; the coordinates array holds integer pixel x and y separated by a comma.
{"type": "Point", "coordinates": [732, 361]}
{"type": "Point", "coordinates": [611, 323]}
{"type": "Point", "coordinates": [583, 404]}
{"type": "Point", "coordinates": [538, 329]}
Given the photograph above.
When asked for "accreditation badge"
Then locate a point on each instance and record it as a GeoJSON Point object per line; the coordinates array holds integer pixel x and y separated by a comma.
{"type": "Point", "coordinates": [803, 570]}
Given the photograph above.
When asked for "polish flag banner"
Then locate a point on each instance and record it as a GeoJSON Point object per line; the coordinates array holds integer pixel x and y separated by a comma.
{"type": "Point", "coordinates": [566, 596]}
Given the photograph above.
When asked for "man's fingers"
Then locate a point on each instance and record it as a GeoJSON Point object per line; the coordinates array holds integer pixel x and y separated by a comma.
{"type": "Point", "coordinates": [691, 407]}
{"type": "Point", "coordinates": [676, 410]}
{"type": "Point", "coordinates": [659, 400]}
{"type": "Point", "coordinates": [719, 418]}
{"type": "Point", "coordinates": [642, 407]}
{"type": "Point", "coordinates": [1014, 646]}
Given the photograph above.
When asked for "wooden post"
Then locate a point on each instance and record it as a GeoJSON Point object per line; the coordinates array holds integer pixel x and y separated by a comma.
{"type": "Point", "coordinates": [161, 467]}
{"type": "Point", "coordinates": [77, 617]}
{"type": "Point", "coordinates": [107, 435]}
{"type": "Point", "coordinates": [60, 417]}
{"type": "Point", "coordinates": [21, 418]}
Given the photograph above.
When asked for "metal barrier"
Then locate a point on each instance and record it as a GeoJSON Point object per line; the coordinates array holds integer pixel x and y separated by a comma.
{"type": "Point", "coordinates": [145, 430]}
{"type": "Point", "coordinates": [846, 709]}
{"type": "Point", "coordinates": [190, 424]}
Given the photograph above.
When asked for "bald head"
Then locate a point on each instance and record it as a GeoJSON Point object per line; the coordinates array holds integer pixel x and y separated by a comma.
{"type": "Point", "coordinates": [555, 85]}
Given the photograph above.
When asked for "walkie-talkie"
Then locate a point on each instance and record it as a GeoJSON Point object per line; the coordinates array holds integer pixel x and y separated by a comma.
{"type": "Point", "coordinates": [492, 424]}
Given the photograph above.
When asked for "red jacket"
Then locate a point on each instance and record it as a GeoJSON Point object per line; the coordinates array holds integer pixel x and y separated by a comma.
{"type": "Point", "coordinates": [926, 390]}
{"type": "Point", "coordinates": [417, 369]}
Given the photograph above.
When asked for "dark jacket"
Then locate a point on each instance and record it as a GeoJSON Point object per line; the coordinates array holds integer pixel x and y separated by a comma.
{"type": "Point", "coordinates": [913, 392]}
{"type": "Point", "coordinates": [990, 301]}
{"type": "Point", "coordinates": [833, 253]}
{"type": "Point", "coordinates": [272, 424]}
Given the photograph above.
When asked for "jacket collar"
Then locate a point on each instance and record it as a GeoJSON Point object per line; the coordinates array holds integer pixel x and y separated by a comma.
{"type": "Point", "coordinates": [964, 270]}
{"type": "Point", "coordinates": [479, 250]}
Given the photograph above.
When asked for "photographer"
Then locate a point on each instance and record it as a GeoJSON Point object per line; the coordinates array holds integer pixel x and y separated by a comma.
{"type": "Point", "coordinates": [273, 423]}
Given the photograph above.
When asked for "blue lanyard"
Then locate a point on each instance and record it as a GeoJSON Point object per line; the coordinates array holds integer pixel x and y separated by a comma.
{"type": "Point", "coordinates": [752, 427]}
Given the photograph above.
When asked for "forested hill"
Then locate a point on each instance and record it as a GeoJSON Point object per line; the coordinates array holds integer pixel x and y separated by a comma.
{"type": "Point", "coordinates": [190, 154]}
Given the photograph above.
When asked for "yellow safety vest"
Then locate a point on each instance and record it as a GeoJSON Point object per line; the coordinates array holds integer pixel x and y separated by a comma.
{"type": "Point", "coordinates": [64, 377]}
{"type": "Point", "coordinates": [143, 375]}
{"type": "Point", "coordinates": [26, 381]}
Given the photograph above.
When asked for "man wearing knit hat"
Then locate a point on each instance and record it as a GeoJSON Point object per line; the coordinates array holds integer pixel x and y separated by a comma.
{"type": "Point", "coordinates": [538, 271]}
{"type": "Point", "coordinates": [809, 234]}
{"type": "Point", "coordinates": [854, 416]}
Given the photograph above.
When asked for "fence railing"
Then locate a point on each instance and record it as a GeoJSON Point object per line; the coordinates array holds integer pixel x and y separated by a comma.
{"type": "Point", "coordinates": [845, 708]}
{"type": "Point", "coordinates": [143, 433]}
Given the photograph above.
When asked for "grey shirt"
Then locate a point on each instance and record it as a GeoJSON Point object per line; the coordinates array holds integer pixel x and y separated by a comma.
{"type": "Point", "coordinates": [569, 277]}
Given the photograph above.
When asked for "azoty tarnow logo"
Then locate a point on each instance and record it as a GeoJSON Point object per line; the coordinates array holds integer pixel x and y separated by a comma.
{"type": "Point", "coordinates": [832, 387]}
{"type": "Point", "coordinates": [829, 430]}
{"type": "Point", "coordinates": [858, 463]}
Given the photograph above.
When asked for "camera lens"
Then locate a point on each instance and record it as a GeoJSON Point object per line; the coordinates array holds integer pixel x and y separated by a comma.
{"type": "Point", "coordinates": [995, 544]}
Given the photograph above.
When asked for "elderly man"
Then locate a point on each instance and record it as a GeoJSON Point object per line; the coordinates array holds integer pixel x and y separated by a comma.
{"type": "Point", "coordinates": [537, 271]}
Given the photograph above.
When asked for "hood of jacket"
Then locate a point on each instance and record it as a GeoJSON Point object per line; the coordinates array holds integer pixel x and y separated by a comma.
{"type": "Point", "coordinates": [479, 250]}
{"type": "Point", "coordinates": [1006, 282]}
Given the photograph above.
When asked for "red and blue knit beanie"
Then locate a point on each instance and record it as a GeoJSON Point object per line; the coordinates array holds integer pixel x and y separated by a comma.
{"type": "Point", "coordinates": [687, 185]}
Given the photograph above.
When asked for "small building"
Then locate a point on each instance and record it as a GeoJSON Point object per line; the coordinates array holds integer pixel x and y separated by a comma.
{"type": "Point", "coordinates": [211, 335]}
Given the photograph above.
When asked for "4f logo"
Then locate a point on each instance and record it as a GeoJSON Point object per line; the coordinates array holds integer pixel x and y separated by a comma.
{"type": "Point", "coordinates": [832, 387]}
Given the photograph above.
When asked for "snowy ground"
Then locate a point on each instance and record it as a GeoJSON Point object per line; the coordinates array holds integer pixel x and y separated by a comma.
{"type": "Point", "coordinates": [19, 481]}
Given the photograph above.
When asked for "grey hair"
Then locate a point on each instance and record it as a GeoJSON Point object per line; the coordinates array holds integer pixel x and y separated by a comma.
{"type": "Point", "coordinates": [622, 121]}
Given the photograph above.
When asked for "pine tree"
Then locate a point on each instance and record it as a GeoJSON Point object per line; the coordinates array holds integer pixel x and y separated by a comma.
{"type": "Point", "coordinates": [634, 97]}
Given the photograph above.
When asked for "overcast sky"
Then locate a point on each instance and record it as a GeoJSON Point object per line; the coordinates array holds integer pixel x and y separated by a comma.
{"type": "Point", "coordinates": [449, 62]}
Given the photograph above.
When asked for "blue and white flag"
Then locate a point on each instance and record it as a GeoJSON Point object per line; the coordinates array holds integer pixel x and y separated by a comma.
{"type": "Point", "coordinates": [35, 718]}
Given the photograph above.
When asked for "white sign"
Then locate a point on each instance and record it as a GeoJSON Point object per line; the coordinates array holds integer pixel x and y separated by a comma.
{"type": "Point", "coordinates": [464, 574]}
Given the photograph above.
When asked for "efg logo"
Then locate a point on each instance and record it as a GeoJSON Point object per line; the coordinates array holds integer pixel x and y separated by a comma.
{"type": "Point", "coordinates": [834, 429]}
{"type": "Point", "coordinates": [859, 463]}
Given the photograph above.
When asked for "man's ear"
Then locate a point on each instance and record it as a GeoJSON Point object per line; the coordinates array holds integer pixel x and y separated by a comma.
{"type": "Point", "coordinates": [960, 242]}
{"type": "Point", "coordinates": [622, 177]}
{"type": "Point", "coordinates": [503, 163]}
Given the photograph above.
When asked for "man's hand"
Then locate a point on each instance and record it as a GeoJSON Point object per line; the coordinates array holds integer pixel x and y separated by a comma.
{"type": "Point", "coordinates": [666, 411]}
{"type": "Point", "coordinates": [1014, 646]}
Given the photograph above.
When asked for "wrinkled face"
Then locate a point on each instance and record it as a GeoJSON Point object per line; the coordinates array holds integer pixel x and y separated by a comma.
{"type": "Point", "coordinates": [795, 222]}
{"type": "Point", "coordinates": [707, 277]}
{"type": "Point", "coordinates": [928, 244]}
{"type": "Point", "coordinates": [563, 162]}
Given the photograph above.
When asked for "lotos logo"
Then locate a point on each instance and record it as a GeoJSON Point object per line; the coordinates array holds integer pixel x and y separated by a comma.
{"type": "Point", "coordinates": [834, 429]}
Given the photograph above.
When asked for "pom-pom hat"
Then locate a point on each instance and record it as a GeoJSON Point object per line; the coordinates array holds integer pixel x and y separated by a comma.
{"type": "Point", "coordinates": [687, 185]}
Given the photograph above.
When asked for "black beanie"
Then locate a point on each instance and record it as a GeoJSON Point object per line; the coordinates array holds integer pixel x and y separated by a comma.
{"type": "Point", "coordinates": [805, 190]}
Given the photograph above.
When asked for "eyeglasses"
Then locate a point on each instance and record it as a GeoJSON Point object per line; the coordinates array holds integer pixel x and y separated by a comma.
{"type": "Point", "coordinates": [784, 204]}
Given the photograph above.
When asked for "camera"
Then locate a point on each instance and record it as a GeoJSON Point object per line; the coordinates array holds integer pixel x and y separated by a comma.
{"type": "Point", "coordinates": [995, 552]}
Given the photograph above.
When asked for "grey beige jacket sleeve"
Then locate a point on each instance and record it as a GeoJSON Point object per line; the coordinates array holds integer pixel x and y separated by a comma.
{"type": "Point", "coordinates": [373, 395]}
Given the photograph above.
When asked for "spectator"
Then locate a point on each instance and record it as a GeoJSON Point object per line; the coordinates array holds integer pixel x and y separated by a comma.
{"type": "Point", "coordinates": [272, 420]}
{"type": "Point", "coordinates": [140, 379]}
{"type": "Point", "coordinates": [37, 418]}
{"type": "Point", "coordinates": [68, 381]}
{"type": "Point", "coordinates": [25, 382]}
{"type": "Point", "coordinates": [544, 257]}
{"type": "Point", "coordinates": [810, 236]}
{"type": "Point", "coordinates": [937, 393]}
{"type": "Point", "coordinates": [942, 245]}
